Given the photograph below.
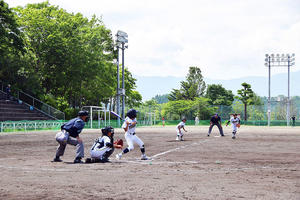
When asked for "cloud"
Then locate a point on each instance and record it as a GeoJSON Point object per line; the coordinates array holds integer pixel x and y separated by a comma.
{"type": "Point", "coordinates": [226, 39]}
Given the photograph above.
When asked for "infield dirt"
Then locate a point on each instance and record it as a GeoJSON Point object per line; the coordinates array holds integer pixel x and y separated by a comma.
{"type": "Point", "coordinates": [262, 163]}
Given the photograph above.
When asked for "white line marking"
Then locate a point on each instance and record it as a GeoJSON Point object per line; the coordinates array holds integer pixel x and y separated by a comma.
{"type": "Point", "coordinates": [178, 148]}
{"type": "Point", "coordinates": [34, 169]}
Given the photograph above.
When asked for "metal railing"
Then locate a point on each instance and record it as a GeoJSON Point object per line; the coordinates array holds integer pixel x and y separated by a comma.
{"type": "Point", "coordinates": [41, 106]}
{"type": "Point", "coordinates": [34, 103]}
{"type": "Point", "coordinates": [13, 126]}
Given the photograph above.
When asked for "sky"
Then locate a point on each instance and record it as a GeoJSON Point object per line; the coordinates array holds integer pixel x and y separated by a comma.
{"type": "Point", "coordinates": [226, 39]}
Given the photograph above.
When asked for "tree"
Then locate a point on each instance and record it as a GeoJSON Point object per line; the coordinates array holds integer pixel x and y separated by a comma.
{"type": "Point", "coordinates": [180, 108]}
{"type": "Point", "coordinates": [68, 58]}
{"type": "Point", "coordinates": [193, 87]}
{"type": "Point", "coordinates": [10, 35]}
{"type": "Point", "coordinates": [202, 108]}
{"type": "Point", "coordinates": [218, 95]}
{"type": "Point", "coordinates": [161, 98]}
{"type": "Point", "coordinates": [246, 96]}
{"type": "Point", "coordinates": [11, 45]}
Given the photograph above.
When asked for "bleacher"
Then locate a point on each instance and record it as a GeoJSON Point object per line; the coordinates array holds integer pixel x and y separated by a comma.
{"type": "Point", "coordinates": [14, 110]}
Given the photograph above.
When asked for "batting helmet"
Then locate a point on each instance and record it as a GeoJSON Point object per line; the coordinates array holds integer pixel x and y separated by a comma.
{"type": "Point", "coordinates": [83, 113]}
{"type": "Point", "coordinates": [107, 129]}
{"type": "Point", "coordinates": [131, 113]}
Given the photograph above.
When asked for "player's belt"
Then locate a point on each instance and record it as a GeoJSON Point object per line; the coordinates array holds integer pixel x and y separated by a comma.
{"type": "Point", "coordinates": [132, 133]}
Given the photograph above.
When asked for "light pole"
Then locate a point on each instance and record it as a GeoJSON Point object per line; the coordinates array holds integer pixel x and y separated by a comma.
{"type": "Point", "coordinates": [118, 85]}
{"type": "Point", "coordinates": [283, 60]}
{"type": "Point", "coordinates": [122, 38]}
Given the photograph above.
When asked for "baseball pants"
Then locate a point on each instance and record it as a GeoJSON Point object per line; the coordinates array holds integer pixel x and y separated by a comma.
{"type": "Point", "coordinates": [72, 141]}
{"type": "Point", "coordinates": [219, 127]}
{"type": "Point", "coordinates": [104, 152]}
{"type": "Point", "coordinates": [131, 139]}
{"type": "Point", "coordinates": [179, 133]}
{"type": "Point", "coordinates": [234, 129]}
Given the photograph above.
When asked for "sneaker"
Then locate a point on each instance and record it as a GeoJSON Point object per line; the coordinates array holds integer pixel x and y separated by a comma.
{"type": "Point", "coordinates": [78, 160]}
{"type": "Point", "coordinates": [177, 138]}
{"type": "Point", "coordinates": [222, 135]}
{"type": "Point", "coordinates": [57, 160]}
{"type": "Point", "coordinates": [118, 156]}
{"type": "Point", "coordinates": [88, 160]}
{"type": "Point", "coordinates": [233, 137]}
{"type": "Point", "coordinates": [144, 157]}
{"type": "Point", "coordinates": [207, 135]}
{"type": "Point", "coordinates": [105, 160]}
{"type": "Point", "coordinates": [181, 139]}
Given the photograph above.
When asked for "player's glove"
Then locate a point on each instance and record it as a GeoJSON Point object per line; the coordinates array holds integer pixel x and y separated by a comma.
{"type": "Point", "coordinates": [119, 143]}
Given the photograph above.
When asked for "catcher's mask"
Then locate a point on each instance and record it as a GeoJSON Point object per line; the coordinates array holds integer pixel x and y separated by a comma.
{"type": "Point", "coordinates": [131, 113]}
{"type": "Point", "coordinates": [108, 129]}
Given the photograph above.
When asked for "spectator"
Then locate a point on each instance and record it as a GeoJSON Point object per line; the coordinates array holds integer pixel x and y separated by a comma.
{"type": "Point", "coordinates": [293, 120]}
{"type": "Point", "coordinates": [8, 92]}
{"type": "Point", "coordinates": [196, 120]}
{"type": "Point", "coordinates": [163, 121]}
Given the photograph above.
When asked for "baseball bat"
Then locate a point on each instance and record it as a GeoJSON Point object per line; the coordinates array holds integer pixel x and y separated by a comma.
{"type": "Point", "coordinates": [115, 114]}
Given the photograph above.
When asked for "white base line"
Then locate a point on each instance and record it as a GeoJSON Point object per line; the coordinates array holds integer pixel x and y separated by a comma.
{"type": "Point", "coordinates": [34, 169]}
{"type": "Point", "coordinates": [178, 148]}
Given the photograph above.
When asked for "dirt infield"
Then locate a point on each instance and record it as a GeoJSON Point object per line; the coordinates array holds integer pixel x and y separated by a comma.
{"type": "Point", "coordinates": [262, 163]}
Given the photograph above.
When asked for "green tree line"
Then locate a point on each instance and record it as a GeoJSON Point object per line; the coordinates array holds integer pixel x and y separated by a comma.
{"type": "Point", "coordinates": [195, 98]}
{"type": "Point", "coordinates": [64, 59]}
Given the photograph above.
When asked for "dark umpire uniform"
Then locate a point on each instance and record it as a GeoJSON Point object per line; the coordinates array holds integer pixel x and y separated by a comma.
{"type": "Point", "coordinates": [70, 132]}
{"type": "Point", "coordinates": [215, 120]}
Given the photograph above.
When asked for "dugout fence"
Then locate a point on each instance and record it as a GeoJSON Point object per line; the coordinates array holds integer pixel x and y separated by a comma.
{"type": "Point", "coordinates": [25, 126]}
{"type": "Point", "coordinates": [149, 115]}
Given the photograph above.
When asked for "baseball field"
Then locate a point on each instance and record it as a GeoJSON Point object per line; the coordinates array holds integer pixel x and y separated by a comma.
{"type": "Point", "coordinates": [262, 163]}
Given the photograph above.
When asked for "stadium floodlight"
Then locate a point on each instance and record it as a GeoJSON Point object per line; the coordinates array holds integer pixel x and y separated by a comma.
{"type": "Point", "coordinates": [122, 34]}
{"type": "Point", "coordinates": [121, 39]}
{"type": "Point", "coordinates": [283, 60]}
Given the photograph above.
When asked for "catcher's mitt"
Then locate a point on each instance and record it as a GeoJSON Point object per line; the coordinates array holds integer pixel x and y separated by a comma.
{"type": "Point", "coordinates": [238, 125]}
{"type": "Point", "coordinates": [119, 142]}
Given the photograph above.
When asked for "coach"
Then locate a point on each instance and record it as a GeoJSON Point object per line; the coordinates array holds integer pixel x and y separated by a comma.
{"type": "Point", "coordinates": [215, 120]}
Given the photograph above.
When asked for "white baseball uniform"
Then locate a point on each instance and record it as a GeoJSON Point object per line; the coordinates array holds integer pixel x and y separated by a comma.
{"type": "Point", "coordinates": [99, 147]}
{"type": "Point", "coordinates": [179, 127]}
{"type": "Point", "coordinates": [234, 122]}
{"type": "Point", "coordinates": [130, 136]}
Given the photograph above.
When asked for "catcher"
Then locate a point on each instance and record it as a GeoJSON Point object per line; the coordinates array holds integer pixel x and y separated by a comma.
{"type": "Point", "coordinates": [104, 146]}
{"type": "Point", "coordinates": [235, 123]}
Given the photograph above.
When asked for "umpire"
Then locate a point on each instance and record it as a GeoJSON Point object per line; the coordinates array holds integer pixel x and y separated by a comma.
{"type": "Point", "coordinates": [70, 135]}
{"type": "Point", "coordinates": [215, 120]}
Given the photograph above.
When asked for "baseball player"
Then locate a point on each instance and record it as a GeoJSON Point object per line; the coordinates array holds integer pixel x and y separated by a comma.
{"type": "Point", "coordinates": [69, 134]}
{"type": "Point", "coordinates": [103, 146]}
{"type": "Point", "coordinates": [178, 129]}
{"type": "Point", "coordinates": [129, 126]}
{"type": "Point", "coordinates": [215, 120]}
{"type": "Point", "coordinates": [235, 122]}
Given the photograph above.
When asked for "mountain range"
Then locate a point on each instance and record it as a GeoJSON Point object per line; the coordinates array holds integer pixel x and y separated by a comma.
{"type": "Point", "coordinates": [149, 86]}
